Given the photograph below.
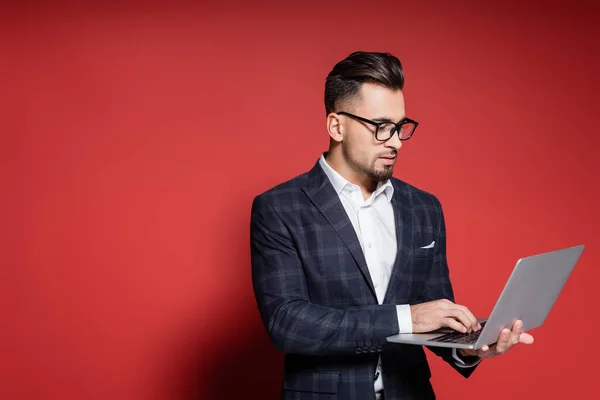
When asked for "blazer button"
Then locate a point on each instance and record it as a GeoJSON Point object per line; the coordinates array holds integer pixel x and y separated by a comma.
{"type": "Point", "coordinates": [372, 349]}
{"type": "Point", "coordinates": [380, 348]}
{"type": "Point", "coordinates": [358, 350]}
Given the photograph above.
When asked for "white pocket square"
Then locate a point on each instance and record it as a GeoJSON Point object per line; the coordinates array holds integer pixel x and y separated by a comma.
{"type": "Point", "coordinates": [430, 246]}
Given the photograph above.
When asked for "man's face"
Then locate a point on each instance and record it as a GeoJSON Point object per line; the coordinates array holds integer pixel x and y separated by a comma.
{"type": "Point", "coordinates": [362, 151]}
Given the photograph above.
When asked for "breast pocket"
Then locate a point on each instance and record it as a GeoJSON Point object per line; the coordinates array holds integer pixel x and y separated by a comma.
{"type": "Point", "coordinates": [421, 265]}
{"type": "Point", "coordinates": [423, 253]}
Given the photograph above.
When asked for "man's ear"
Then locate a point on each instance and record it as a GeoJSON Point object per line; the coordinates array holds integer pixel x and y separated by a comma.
{"type": "Point", "coordinates": [335, 127]}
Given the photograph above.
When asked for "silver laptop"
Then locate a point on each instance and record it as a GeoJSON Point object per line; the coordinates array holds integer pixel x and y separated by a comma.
{"type": "Point", "coordinates": [528, 295]}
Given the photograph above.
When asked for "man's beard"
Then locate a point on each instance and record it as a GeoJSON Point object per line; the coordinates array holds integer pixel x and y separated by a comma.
{"type": "Point", "coordinates": [382, 175]}
{"type": "Point", "coordinates": [362, 164]}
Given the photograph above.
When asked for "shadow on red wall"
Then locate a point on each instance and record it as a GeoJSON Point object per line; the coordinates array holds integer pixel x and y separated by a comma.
{"type": "Point", "coordinates": [210, 360]}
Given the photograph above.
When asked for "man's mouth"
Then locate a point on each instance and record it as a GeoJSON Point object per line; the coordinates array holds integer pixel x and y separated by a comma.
{"type": "Point", "coordinates": [389, 159]}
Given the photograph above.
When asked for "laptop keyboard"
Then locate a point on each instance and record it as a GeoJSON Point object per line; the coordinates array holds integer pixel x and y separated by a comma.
{"type": "Point", "coordinates": [458, 337]}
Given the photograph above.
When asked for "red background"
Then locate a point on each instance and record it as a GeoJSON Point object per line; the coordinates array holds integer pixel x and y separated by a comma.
{"type": "Point", "coordinates": [135, 138]}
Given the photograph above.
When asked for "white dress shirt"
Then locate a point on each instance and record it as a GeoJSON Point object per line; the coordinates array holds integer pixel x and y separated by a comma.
{"type": "Point", "coordinates": [375, 225]}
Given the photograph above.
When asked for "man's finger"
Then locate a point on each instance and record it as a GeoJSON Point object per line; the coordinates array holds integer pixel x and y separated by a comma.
{"type": "Point", "coordinates": [454, 324]}
{"type": "Point", "coordinates": [462, 317]}
{"type": "Point", "coordinates": [526, 338]}
{"type": "Point", "coordinates": [471, 317]}
{"type": "Point", "coordinates": [518, 326]}
{"type": "Point", "coordinates": [503, 341]}
{"type": "Point", "coordinates": [487, 351]}
{"type": "Point", "coordinates": [515, 333]}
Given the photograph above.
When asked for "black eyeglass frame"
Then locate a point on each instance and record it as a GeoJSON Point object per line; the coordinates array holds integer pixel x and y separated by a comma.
{"type": "Point", "coordinates": [378, 124]}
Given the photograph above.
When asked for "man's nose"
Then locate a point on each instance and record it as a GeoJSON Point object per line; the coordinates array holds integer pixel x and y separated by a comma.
{"type": "Point", "coordinates": [394, 142]}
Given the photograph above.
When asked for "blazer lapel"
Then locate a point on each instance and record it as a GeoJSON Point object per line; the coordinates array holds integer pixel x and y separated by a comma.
{"type": "Point", "coordinates": [401, 202]}
{"type": "Point", "coordinates": [322, 194]}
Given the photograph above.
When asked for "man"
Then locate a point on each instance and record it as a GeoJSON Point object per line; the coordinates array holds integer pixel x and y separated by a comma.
{"type": "Point", "coordinates": [345, 255]}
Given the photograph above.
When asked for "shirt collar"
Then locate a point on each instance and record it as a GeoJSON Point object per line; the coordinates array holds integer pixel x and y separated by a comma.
{"type": "Point", "coordinates": [340, 183]}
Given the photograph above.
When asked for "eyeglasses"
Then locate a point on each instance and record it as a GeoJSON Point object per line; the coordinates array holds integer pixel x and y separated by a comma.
{"type": "Point", "coordinates": [386, 129]}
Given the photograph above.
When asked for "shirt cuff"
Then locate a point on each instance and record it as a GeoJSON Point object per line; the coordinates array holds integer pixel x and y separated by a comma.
{"type": "Point", "coordinates": [404, 318]}
{"type": "Point", "coordinates": [460, 363]}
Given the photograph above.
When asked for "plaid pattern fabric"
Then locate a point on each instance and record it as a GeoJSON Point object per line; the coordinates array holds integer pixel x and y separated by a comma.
{"type": "Point", "coordinates": [316, 298]}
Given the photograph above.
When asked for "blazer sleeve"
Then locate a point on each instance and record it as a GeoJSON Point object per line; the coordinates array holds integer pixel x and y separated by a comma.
{"type": "Point", "coordinates": [294, 323]}
{"type": "Point", "coordinates": [439, 287]}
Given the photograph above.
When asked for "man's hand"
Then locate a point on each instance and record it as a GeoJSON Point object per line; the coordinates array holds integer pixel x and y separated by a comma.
{"type": "Point", "coordinates": [505, 342]}
{"type": "Point", "coordinates": [427, 317]}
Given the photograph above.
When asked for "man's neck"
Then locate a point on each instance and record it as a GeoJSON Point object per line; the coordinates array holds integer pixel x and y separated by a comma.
{"type": "Point", "coordinates": [336, 161]}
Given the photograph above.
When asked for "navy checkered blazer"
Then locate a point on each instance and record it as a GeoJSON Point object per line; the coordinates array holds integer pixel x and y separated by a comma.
{"type": "Point", "coordinates": [316, 298]}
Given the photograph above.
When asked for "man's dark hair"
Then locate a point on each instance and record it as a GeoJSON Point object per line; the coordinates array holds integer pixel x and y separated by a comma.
{"type": "Point", "coordinates": [347, 76]}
